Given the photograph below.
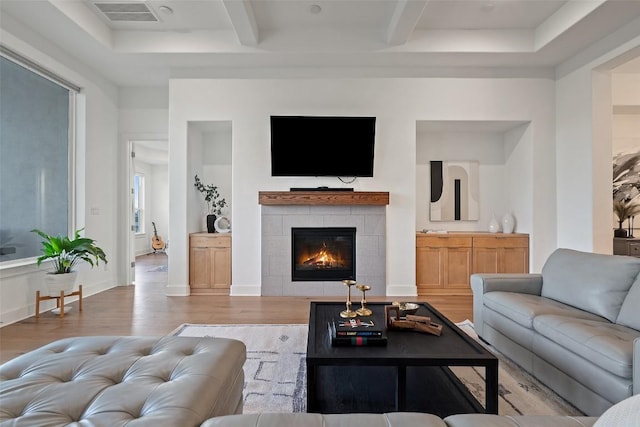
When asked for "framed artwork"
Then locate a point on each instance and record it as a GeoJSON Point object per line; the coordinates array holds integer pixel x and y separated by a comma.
{"type": "Point", "coordinates": [454, 191]}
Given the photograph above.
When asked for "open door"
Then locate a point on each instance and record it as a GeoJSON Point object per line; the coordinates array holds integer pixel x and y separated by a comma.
{"type": "Point", "coordinates": [131, 273]}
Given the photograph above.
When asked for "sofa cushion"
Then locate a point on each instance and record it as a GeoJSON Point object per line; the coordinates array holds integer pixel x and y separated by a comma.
{"type": "Point", "coordinates": [488, 420]}
{"type": "Point", "coordinates": [630, 312]}
{"type": "Point", "coordinates": [523, 308]}
{"type": "Point", "coordinates": [605, 344]}
{"type": "Point", "coordinates": [392, 419]}
{"type": "Point", "coordinates": [593, 282]}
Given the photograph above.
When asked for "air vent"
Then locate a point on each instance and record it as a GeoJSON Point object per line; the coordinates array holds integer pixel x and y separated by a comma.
{"type": "Point", "coordinates": [126, 12]}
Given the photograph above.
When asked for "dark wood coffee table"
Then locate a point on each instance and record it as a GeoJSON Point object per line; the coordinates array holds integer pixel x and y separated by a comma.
{"type": "Point", "coordinates": [410, 373]}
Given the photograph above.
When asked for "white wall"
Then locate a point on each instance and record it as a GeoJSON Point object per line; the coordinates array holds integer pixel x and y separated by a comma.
{"type": "Point", "coordinates": [97, 202]}
{"type": "Point", "coordinates": [584, 147]}
{"type": "Point", "coordinates": [397, 103]}
{"type": "Point", "coordinates": [485, 147]}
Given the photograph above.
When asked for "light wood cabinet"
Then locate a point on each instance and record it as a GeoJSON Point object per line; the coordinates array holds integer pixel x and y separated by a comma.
{"type": "Point", "coordinates": [445, 262]}
{"type": "Point", "coordinates": [210, 263]}
{"type": "Point", "coordinates": [501, 253]}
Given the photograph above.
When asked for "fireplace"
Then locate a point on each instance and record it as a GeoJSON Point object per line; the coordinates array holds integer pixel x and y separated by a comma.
{"type": "Point", "coordinates": [323, 254]}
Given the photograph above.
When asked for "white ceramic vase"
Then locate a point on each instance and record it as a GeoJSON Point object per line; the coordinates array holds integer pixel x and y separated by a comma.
{"type": "Point", "coordinates": [508, 223]}
{"type": "Point", "coordinates": [494, 225]}
{"type": "Point", "coordinates": [60, 282]}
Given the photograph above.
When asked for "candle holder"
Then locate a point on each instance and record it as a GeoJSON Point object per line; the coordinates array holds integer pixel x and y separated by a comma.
{"type": "Point", "coordinates": [363, 311]}
{"type": "Point", "coordinates": [348, 313]}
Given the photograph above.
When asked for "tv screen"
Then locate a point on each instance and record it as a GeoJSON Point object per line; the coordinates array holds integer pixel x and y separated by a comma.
{"type": "Point", "coordinates": [322, 146]}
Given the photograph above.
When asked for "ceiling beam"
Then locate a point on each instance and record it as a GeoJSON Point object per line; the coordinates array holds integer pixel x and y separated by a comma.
{"type": "Point", "coordinates": [404, 20]}
{"type": "Point", "coordinates": [243, 21]}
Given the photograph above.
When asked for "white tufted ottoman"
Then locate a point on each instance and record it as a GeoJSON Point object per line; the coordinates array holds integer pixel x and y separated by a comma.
{"type": "Point", "coordinates": [117, 381]}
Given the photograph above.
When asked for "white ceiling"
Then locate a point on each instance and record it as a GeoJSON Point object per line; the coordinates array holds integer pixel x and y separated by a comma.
{"type": "Point", "coordinates": [270, 38]}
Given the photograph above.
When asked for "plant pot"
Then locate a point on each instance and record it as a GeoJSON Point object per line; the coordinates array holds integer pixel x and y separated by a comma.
{"type": "Point", "coordinates": [60, 282]}
{"type": "Point", "coordinates": [620, 232]}
{"type": "Point", "coordinates": [211, 221]}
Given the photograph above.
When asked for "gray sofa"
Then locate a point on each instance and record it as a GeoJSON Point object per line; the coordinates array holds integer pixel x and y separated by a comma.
{"type": "Point", "coordinates": [118, 381]}
{"type": "Point", "coordinates": [623, 414]}
{"type": "Point", "coordinates": [398, 419]}
{"type": "Point", "coordinates": [575, 326]}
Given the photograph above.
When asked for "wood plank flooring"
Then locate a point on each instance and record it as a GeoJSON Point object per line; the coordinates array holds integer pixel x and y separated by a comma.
{"type": "Point", "coordinates": [144, 309]}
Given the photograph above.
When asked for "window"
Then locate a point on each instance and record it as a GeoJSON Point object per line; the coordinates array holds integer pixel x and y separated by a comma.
{"type": "Point", "coordinates": [36, 158]}
{"type": "Point", "coordinates": [138, 203]}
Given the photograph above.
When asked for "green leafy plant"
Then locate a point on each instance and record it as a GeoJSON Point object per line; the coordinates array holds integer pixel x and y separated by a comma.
{"type": "Point", "coordinates": [215, 202]}
{"type": "Point", "coordinates": [65, 253]}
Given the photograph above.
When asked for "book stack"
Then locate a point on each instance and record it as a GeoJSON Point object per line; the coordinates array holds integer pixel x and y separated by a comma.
{"type": "Point", "coordinates": [356, 332]}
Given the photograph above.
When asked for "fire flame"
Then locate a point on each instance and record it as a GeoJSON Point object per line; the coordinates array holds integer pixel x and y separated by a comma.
{"type": "Point", "coordinates": [323, 259]}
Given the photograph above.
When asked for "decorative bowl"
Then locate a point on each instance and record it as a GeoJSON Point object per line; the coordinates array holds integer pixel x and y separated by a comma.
{"type": "Point", "coordinates": [406, 307]}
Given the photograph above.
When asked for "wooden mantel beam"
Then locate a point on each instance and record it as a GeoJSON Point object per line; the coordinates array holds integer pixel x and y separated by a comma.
{"type": "Point", "coordinates": [323, 198]}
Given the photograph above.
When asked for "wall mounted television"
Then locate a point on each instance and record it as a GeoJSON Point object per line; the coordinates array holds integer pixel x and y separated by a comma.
{"type": "Point", "coordinates": [338, 146]}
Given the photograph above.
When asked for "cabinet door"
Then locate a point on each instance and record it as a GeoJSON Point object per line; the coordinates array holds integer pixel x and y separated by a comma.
{"type": "Point", "coordinates": [458, 262]}
{"type": "Point", "coordinates": [485, 260]}
{"type": "Point", "coordinates": [221, 271]}
{"type": "Point", "coordinates": [514, 260]}
{"type": "Point", "coordinates": [199, 268]}
{"type": "Point", "coordinates": [428, 268]}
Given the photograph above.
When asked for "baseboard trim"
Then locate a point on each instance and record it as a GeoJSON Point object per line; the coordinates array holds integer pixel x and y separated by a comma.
{"type": "Point", "coordinates": [245, 290]}
{"type": "Point", "coordinates": [402, 290]}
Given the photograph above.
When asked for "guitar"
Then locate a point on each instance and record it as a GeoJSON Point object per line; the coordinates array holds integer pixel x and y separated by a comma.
{"type": "Point", "coordinates": [156, 242]}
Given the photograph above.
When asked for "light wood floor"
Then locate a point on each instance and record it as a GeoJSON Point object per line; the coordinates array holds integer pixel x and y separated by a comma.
{"type": "Point", "coordinates": [144, 309]}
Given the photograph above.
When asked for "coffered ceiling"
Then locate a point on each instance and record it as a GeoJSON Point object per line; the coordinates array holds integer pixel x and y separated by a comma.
{"type": "Point", "coordinates": [145, 42]}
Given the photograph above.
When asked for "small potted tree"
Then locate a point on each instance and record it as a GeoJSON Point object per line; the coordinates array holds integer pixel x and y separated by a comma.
{"type": "Point", "coordinates": [64, 253]}
{"type": "Point", "coordinates": [624, 210]}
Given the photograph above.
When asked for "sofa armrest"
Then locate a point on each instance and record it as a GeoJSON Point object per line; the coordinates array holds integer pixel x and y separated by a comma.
{"type": "Point", "coordinates": [483, 283]}
{"type": "Point", "coordinates": [635, 366]}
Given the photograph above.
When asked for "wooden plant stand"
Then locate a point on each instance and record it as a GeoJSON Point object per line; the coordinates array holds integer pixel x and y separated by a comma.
{"type": "Point", "coordinates": [59, 300]}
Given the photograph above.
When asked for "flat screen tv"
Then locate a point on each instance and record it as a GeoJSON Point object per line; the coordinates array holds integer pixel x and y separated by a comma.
{"type": "Point", "coordinates": [322, 146]}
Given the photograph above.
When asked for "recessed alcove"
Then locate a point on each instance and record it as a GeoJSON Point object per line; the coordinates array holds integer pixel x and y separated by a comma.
{"type": "Point", "coordinates": [501, 147]}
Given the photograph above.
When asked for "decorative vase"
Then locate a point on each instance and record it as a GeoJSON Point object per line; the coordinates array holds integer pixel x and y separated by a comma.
{"type": "Point", "coordinates": [60, 282]}
{"type": "Point", "coordinates": [494, 226]}
{"type": "Point", "coordinates": [620, 232]}
{"type": "Point", "coordinates": [211, 221]}
{"type": "Point", "coordinates": [508, 223]}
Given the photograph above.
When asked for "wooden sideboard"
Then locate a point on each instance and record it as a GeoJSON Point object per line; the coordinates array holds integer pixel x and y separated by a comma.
{"type": "Point", "coordinates": [444, 262]}
{"type": "Point", "coordinates": [210, 263]}
{"type": "Point", "coordinates": [626, 246]}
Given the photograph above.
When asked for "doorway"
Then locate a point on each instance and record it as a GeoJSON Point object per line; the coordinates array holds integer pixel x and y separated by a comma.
{"type": "Point", "coordinates": [149, 204]}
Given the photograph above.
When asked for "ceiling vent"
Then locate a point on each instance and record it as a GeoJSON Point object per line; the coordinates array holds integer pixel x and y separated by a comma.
{"type": "Point", "coordinates": [126, 12]}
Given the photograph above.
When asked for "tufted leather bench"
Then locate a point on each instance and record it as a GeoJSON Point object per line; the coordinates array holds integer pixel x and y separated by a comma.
{"type": "Point", "coordinates": [116, 381]}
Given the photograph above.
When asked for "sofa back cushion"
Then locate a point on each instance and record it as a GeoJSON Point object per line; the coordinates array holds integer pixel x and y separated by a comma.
{"type": "Point", "coordinates": [596, 283]}
{"type": "Point", "coordinates": [630, 311]}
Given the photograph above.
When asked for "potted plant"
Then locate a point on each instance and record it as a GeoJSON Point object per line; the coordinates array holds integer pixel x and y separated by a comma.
{"type": "Point", "coordinates": [215, 202]}
{"type": "Point", "coordinates": [624, 210]}
{"type": "Point", "coordinates": [64, 253]}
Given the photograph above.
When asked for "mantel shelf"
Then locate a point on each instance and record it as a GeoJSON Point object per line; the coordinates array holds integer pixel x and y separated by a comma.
{"type": "Point", "coordinates": [323, 198]}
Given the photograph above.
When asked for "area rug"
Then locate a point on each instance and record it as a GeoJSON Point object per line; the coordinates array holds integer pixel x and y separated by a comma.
{"type": "Point", "coordinates": [275, 372]}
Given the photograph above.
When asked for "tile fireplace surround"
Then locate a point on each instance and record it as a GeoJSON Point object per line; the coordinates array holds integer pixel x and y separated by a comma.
{"type": "Point", "coordinates": [364, 211]}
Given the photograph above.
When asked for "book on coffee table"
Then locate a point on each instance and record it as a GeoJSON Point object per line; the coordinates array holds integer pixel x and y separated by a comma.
{"type": "Point", "coordinates": [356, 332]}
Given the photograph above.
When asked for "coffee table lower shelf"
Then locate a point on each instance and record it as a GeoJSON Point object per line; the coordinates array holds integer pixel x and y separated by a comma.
{"type": "Point", "coordinates": [375, 389]}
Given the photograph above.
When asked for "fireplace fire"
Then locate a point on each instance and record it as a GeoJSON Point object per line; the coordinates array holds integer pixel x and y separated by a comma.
{"type": "Point", "coordinates": [320, 254]}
